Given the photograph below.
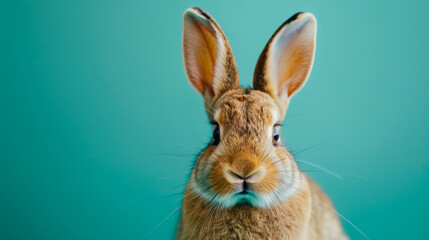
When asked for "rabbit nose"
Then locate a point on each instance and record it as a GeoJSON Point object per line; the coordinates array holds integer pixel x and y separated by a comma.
{"type": "Point", "coordinates": [241, 177]}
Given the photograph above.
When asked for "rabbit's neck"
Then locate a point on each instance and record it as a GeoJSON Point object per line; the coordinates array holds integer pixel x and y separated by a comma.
{"type": "Point", "coordinates": [287, 220]}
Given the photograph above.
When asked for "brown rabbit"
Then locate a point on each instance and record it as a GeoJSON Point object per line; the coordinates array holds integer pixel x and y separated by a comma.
{"type": "Point", "coordinates": [245, 184]}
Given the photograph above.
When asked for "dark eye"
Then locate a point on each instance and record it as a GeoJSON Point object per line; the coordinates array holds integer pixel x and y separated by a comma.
{"type": "Point", "coordinates": [216, 135]}
{"type": "Point", "coordinates": [276, 136]}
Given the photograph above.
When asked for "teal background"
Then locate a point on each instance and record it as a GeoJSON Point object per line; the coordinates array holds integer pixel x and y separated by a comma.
{"type": "Point", "coordinates": [99, 127]}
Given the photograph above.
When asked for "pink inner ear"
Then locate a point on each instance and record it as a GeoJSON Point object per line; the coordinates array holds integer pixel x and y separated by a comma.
{"type": "Point", "coordinates": [297, 67]}
{"type": "Point", "coordinates": [200, 52]}
{"type": "Point", "coordinates": [282, 90]}
{"type": "Point", "coordinates": [291, 55]}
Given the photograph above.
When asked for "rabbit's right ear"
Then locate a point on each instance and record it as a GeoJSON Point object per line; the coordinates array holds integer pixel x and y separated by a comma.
{"type": "Point", "coordinates": [286, 61]}
{"type": "Point", "coordinates": [209, 63]}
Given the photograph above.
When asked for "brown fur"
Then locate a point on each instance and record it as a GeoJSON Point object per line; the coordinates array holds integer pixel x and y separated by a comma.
{"type": "Point", "coordinates": [294, 206]}
{"type": "Point", "coordinates": [298, 218]}
{"type": "Point", "coordinates": [200, 219]}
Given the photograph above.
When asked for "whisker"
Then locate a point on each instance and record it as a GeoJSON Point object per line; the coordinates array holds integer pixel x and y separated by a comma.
{"type": "Point", "coordinates": [325, 206]}
{"type": "Point", "coordinates": [355, 176]}
{"type": "Point", "coordinates": [306, 149]}
{"type": "Point", "coordinates": [165, 219]}
{"type": "Point", "coordinates": [181, 155]}
{"type": "Point", "coordinates": [187, 146]}
{"type": "Point", "coordinates": [321, 168]}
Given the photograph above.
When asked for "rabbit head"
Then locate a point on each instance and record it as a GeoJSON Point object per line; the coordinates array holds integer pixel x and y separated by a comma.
{"type": "Point", "coordinates": [246, 161]}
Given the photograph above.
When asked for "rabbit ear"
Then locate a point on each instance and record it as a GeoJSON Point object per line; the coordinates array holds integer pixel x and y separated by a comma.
{"type": "Point", "coordinates": [285, 63]}
{"type": "Point", "coordinates": [209, 63]}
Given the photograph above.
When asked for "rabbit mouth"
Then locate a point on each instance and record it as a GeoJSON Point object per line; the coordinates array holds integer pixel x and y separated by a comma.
{"type": "Point", "coordinates": [241, 198]}
{"type": "Point", "coordinates": [247, 197]}
{"type": "Point", "coordinates": [244, 192]}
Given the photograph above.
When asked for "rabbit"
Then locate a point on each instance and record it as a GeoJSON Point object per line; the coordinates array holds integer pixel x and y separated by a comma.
{"type": "Point", "coordinates": [246, 184]}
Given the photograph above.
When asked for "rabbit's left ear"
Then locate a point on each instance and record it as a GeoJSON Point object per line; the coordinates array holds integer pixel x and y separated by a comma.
{"type": "Point", "coordinates": [209, 63]}
{"type": "Point", "coordinates": [286, 61]}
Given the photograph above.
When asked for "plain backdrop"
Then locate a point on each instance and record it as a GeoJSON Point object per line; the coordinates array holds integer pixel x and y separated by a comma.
{"type": "Point", "coordinates": [99, 127]}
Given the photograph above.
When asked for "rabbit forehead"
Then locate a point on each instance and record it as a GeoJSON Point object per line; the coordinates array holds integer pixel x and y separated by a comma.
{"type": "Point", "coordinates": [246, 111]}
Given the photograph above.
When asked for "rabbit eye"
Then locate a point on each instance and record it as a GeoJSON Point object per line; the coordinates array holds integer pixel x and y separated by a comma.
{"type": "Point", "coordinates": [276, 136]}
{"type": "Point", "coordinates": [216, 135]}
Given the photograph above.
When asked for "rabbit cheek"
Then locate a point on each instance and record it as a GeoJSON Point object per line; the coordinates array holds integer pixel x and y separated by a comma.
{"type": "Point", "coordinates": [203, 163]}
{"type": "Point", "coordinates": [218, 181]}
{"type": "Point", "coordinates": [269, 183]}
